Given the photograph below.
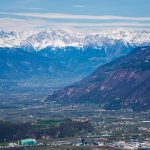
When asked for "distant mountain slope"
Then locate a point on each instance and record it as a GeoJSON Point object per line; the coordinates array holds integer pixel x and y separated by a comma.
{"type": "Point", "coordinates": [18, 63]}
{"type": "Point", "coordinates": [62, 62]}
{"type": "Point", "coordinates": [122, 83]}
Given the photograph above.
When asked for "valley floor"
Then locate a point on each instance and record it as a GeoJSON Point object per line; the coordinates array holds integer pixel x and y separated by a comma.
{"type": "Point", "coordinates": [122, 128]}
{"type": "Point", "coordinates": [22, 102]}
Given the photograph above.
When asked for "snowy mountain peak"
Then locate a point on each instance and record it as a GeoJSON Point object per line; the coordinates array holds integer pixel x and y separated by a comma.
{"type": "Point", "coordinates": [64, 38]}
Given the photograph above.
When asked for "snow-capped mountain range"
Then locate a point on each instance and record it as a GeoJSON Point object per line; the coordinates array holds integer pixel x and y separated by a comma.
{"type": "Point", "coordinates": [63, 53]}
{"type": "Point", "coordinates": [65, 38]}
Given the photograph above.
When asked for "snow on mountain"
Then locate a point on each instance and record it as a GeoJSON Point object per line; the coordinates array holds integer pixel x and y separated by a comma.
{"type": "Point", "coordinates": [56, 38]}
{"type": "Point", "coordinates": [65, 38]}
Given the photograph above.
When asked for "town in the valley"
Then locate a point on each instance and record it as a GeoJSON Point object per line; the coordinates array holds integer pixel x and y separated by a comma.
{"type": "Point", "coordinates": [76, 126]}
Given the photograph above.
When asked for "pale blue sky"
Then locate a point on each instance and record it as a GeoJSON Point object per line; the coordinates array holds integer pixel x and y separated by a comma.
{"type": "Point", "coordinates": [74, 13]}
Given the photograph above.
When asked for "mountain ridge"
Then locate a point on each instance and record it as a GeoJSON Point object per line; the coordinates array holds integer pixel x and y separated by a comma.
{"type": "Point", "coordinates": [77, 53]}
{"type": "Point", "coordinates": [122, 83]}
{"type": "Point", "coordinates": [64, 38]}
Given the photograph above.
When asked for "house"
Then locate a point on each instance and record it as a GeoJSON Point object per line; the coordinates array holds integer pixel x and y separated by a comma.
{"type": "Point", "coordinates": [28, 142]}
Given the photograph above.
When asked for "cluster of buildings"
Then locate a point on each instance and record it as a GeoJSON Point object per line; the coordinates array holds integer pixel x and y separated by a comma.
{"type": "Point", "coordinates": [144, 129]}
{"type": "Point", "coordinates": [21, 143]}
{"type": "Point", "coordinates": [101, 142]}
{"type": "Point", "coordinates": [145, 145]}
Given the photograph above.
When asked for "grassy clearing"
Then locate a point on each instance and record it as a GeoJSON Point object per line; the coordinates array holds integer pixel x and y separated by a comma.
{"type": "Point", "coordinates": [47, 123]}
